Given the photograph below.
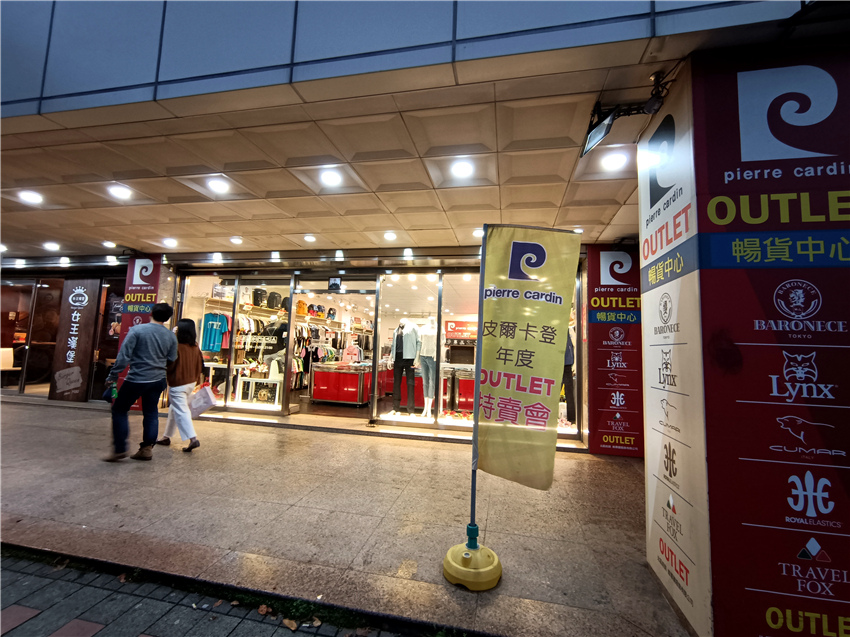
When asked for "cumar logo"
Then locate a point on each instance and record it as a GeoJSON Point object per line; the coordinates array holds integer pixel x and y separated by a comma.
{"type": "Point", "coordinates": [776, 106]}
{"type": "Point", "coordinates": [612, 266]}
{"type": "Point", "coordinates": [525, 254]}
{"type": "Point", "coordinates": [142, 268]}
{"type": "Point", "coordinates": [811, 439]}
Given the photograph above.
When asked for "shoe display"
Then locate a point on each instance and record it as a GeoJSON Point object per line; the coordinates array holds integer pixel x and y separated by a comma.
{"type": "Point", "coordinates": [192, 445]}
{"type": "Point", "coordinates": [115, 457]}
{"type": "Point", "coordinates": [165, 441]}
{"type": "Point", "coordinates": [144, 453]}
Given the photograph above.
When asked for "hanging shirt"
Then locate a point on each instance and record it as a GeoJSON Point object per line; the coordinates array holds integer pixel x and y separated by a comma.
{"type": "Point", "coordinates": [215, 325]}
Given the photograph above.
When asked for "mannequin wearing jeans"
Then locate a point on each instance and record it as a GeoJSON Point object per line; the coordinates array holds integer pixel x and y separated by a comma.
{"type": "Point", "coordinates": [427, 358]}
{"type": "Point", "coordinates": [403, 357]}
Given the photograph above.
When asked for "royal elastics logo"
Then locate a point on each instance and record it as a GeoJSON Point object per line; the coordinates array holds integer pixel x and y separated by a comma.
{"type": "Point", "coordinates": [665, 313]}
{"type": "Point", "coordinates": [799, 301]}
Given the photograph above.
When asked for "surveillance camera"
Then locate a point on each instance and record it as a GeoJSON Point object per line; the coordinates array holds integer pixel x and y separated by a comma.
{"type": "Point", "coordinates": [653, 104]}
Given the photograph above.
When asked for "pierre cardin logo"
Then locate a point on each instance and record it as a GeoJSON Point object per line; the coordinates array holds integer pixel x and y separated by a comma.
{"type": "Point", "coordinates": [525, 255]}
{"type": "Point", "coordinates": [613, 265]}
{"type": "Point", "coordinates": [142, 268]}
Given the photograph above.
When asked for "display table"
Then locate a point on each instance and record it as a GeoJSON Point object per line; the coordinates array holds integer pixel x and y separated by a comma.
{"type": "Point", "coordinates": [349, 383]}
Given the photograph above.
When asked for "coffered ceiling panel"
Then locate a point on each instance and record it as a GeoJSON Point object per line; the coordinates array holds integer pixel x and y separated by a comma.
{"type": "Point", "coordinates": [286, 226]}
{"type": "Point", "coordinates": [130, 130]}
{"type": "Point", "coordinates": [473, 219]}
{"type": "Point", "coordinates": [402, 174]}
{"type": "Point", "coordinates": [626, 130]}
{"type": "Point", "coordinates": [424, 221]}
{"type": "Point", "coordinates": [255, 209]}
{"type": "Point", "coordinates": [353, 107]}
{"type": "Point", "coordinates": [591, 167]}
{"type": "Point", "coordinates": [442, 97]}
{"type": "Point", "coordinates": [266, 116]}
{"type": "Point", "coordinates": [99, 159]}
{"type": "Point", "coordinates": [158, 214]}
{"type": "Point", "coordinates": [55, 137]}
{"type": "Point", "coordinates": [356, 205]}
{"type": "Point", "coordinates": [304, 206]}
{"type": "Point", "coordinates": [240, 227]}
{"type": "Point", "coordinates": [217, 187]}
{"type": "Point", "coordinates": [225, 150]}
{"type": "Point", "coordinates": [161, 155]}
{"type": "Point", "coordinates": [460, 199]}
{"type": "Point", "coordinates": [164, 190]}
{"type": "Point", "coordinates": [485, 171]}
{"type": "Point", "coordinates": [352, 240]}
{"type": "Point", "coordinates": [210, 211]}
{"type": "Point", "coordinates": [426, 238]}
{"type": "Point", "coordinates": [370, 138]}
{"type": "Point", "coordinates": [589, 193]}
{"type": "Point", "coordinates": [555, 84]}
{"type": "Point", "coordinates": [627, 216]}
{"type": "Point", "coordinates": [453, 131]}
{"type": "Point", "coordinates": [526, 197]}
{"type": "Point", "coordinates": [543, 217]}
{"type": "Point", "coordinates": [585, 215]}
{"type": "Point", "coordinates": [99, 195]}
{"type": "Point", "coordinates": [402, 238]}
{"type": "Point", "coordinates": [322, 242]}
{"type": "Point", "coordinates": [272, 242]}
{"type": "Point", "coordinates": [301, 144]}
{"type": "Point", "coordinates": [62, 197]}
{"type": "Point", "coordinates": [274, 183]}
{"type": "Point", "coordinates": [614, 232]}
{"type": "Point", "coordinates": [375, 223]}
{"type": "Point", "coordinates": [411, 201]}
{"type": "Point", "coordinates": [37, 167]}
{"type": "Point", "coordinates": [314, 177]}
{"type": "Point", "coordinates": [537, 166]}
{"type": "Point", "coordinates": [546, 122]}
{"type": "Point", "coordinates": [195, 124]}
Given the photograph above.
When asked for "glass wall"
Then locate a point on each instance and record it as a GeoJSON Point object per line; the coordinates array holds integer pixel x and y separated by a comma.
{"type": "Point", "coordinates": [108, 328]}
{"type": "Point", "coordinates": [14, 327]}
{"type": "Point", "coordinates": [42, 338]}
{"type": "Point", "coordinates": [460, 331]}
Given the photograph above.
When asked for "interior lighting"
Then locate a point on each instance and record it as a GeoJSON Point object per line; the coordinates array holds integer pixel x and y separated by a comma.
{"type": "Point", "coordinates": [478, 232]}
{"type": "Point", "coordinates": [330, 178]}
{"type": "Point", "coordinates": [390, 236]}
{"type": "Point", "coordinates": [342, 271]}
{"type": "Point", "coordinates": [386, 305]}
{"type": "Point", "coordinates": [236, 240]}
{"type": "Point", "coordinates": [218, 186]}
{"type": "Point", "coordinates": [397, 310]}
{"type": "Point", "coordinates": [614, 161]}
{"type": "Point", "coordinates": [431, 277]}
{"type": "Point", "coordinates": [413, 287]}
{"type": "Point", "coordinates": [120, 192]}
{"type": "Point", "coordinates": [408, 254]}
{"type": "Point", "coordinates": [111, 259]}
{"type": "Point", "coordinates": [216, 257]}
{"type": "Point", "coordinates": [389, 285]}
{"type": "Point", "coordinates": [405, 312]}
{"type": "Point", "coordinates": [52, 246]}
{"type": "Point", "coordinates": [19, 263]}
{"type": "Point", "coordinates": [395, 277]}
{"type": "Point", "coordinates": [109, 244]}
{"type": "Point", "coordinates": [29, 196]}
{"type": "Point", "coordinates": [338, 256]}
{"type": "Point", "coordinates": [3, 248]}
{"type": "Point", "coordinates": [467, 277]}
{"type": "Point", "coordinates": [309, 238]}
{"type": "Point", "coordinates": [169, 243]}
{"type": "Point", "coordinates": [310, 295]}
{"type": "Point", "coordinates": [578, 230]}
{"type": "Point", "coordinates": [330, 298]}
{"type": "Point", "coordinates": [275, 257]}
{"type": "Point", "coordinates": [64, 262]}
{"type": "Point", "coordinates": [371, 314]}
{"type": "Point", "coordinates": [430, 298]}
{"type": "Point", "coordinates": [411, 277]}
{"type": "Point", "coordinates": [462, 169]}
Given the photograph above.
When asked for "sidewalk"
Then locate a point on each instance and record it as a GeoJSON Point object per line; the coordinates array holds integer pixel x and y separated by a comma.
{"type": "Point", "coordinates": [352, 521]}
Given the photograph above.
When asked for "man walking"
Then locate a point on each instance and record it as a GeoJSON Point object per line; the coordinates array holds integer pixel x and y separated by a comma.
{"type": "Point", "coordinates": [147, 349]}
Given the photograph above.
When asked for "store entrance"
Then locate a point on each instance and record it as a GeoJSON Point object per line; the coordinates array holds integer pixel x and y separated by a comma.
{"type": "Point", "coordinates": [333, 342]}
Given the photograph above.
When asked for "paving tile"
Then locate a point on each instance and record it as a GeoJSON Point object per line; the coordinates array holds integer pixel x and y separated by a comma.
{"type": "Point", "coordinates": [129, 588]}
{"type": "Point", "coordinates": [214, 625]}
{"type": "Point", "coordinates": [176, 622]}
{"type": "Point", "coordinates": [77, 628]}
{"type": "Point", "coordinates": [191, 598]}
{"type": "Point", "coordinates": [9, 577]}
{"type": "Point", "coordinates": [326, 630]}
{"type": "Point", "coordinates": [25, 586]}
{"type": "Point", "coordinates": [52, 619]}
{"type": "Point", "coordinates": [174, 596]}
{"type": "Point", "coordinates": [206, 603]}
{"type": "Point", "coordinates": [250, 628]}
{"type": "Point", "coordinates": [146, 589]}
{"type": "Point", "coordinates": [238, 611]}
{"type": "Point", "coordinates": [137, 619]}
{"type": "Point", "coordinates": [50, 571]}
{"type": "Point", "coordinates": [110, 608]}
{"type": "Point", "coordinates": [160, 592]}
{"type": "Point", "coordinates": [15, 615]}
{"type": "Point", "coordinates": [49, 595]}
{"type": "Point", "coordinates": [83, 577]}
{"type": "Point", "coordinates": [32, 568]}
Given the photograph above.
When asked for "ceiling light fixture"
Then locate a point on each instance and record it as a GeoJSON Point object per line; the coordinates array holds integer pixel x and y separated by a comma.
{"type": "Point", "coordinates": [275, 257]}
{"type": "Point", "coordinates": [411, 277]}
{"type": "Point", "coordinates": [111, 259]}
{"type": "Point", "coordinates": [431, 277]}
{"type": "Point", "coordinates": [216, 257]}
{"type": "Point", "coordinates": [19, 263]}
{"type": "Point", "coordinates": [29, 196]}
{"type": "Point", "coordinates": [413, 287]}
{"type": "Point", "coordinates": [169, 243]}
{"type": "Point", "coordinates": [120, 192]}
{"type": "Point", "coordinates": [462, 169]}
{"type": "Point", "coordinates": [478, 232]}
{"type": "Point", "coordinates": [3, 248]}
{"type": "Point", "coordinates": [64, 262]}
{"type": "Point", "coordinates": [330, 178]}
{"type": "Point", "coordinates": [236, 240]}
{"type": "Point", "coordinates": [52, 246]}
{"type": "Point", "coordinates": [467, 277]}
{"type": "Point", "coordinates": [309, 238]}
{"type": "Point", "coordinates": [430, 298]}
{"type": "Point", "coordinates": [614, 161]}
{"type": "Point", "coordinates": [218, 186]}
{"type": "Point", "coordinates": [310, 295]}
{"type": "Point", "coordinates": [578, 230]}
{"type": "Point", "coordinates": [389, 285]}
{"type": "Point", "coordinates": [390, 236]}
{"type": "Point", "coordinates": [395, 277]}
{"type": "Point", "coordinates": [109, 244]}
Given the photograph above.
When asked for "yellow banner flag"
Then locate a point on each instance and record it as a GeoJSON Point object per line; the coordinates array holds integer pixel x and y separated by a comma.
{"type": "Point", "coordinates": [528, 280]}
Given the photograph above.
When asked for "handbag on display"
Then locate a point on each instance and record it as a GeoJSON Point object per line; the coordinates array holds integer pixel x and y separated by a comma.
{"type": "Point", "coordinates": [274, 300]}
{"type": "Point", "coordinates": [320, 311]}
{"type": "Point", "coordinates": [259, 296]}
{"type": "Point", "coordinates": [311, 310]}
{"type": "Point", "coordinates": [331, 313]}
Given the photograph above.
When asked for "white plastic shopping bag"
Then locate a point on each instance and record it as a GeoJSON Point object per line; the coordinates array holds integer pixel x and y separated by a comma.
{"type": "Point", "coordinates": [201, 400]}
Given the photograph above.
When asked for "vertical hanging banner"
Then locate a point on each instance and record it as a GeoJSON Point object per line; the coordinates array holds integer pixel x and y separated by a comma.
{"type": "Point", "coordinates": [615, 396]}
{"type": "Point", "coordinates": [527, 287]}
{"type": "Point", "coordinates": [772, 152]}
{"type": "Point", "coordinates": [140, 291]}
{"type": "Point", "coordinates": [72, 358]}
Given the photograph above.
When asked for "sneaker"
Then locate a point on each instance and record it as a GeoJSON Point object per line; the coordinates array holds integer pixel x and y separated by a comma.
{"type": "Point", "coordinates": [144, 453]}
{"type": "Point", "coordinates": [115, 457]}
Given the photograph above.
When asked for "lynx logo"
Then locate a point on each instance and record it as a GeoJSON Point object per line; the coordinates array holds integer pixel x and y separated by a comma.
{"type": "Point", "coordinates": [611, 264]}
{"type": "Point", "coordinates": [142, 267]}
{"type": "Point", "coordinates": [666, 377]}
{"type": "Point", "coordinates": [525, 255]}
{"type": "Point", "coordinates": [800, 367]}
{"type": "Point", "coordinates": [616, 361]}
{"type": "Point", "coordinates": [802, 429]}
{"type": "Point", "coordinates": [780, 103]}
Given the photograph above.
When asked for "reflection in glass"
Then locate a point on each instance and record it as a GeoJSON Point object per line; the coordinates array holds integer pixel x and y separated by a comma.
{"type": "Point", "coordinates": [14, 326]}
{"type": "Point", "coordinates": [43, 329]}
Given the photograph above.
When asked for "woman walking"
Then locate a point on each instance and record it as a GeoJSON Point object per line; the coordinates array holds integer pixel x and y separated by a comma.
{"type": "Point", "coordinates": [182, 376]}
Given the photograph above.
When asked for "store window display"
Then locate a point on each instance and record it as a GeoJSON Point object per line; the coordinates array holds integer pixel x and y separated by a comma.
{"type": "Point", "coordinates": [404, 356]}
{"type": "Point", "coordinates": [428, 362]}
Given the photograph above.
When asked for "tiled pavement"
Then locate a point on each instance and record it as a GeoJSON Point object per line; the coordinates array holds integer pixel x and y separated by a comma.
{"type": "Point", "coordinates": [47, 600]}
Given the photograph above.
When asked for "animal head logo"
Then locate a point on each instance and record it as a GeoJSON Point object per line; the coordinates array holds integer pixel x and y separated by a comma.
{"type": "Point", "coordinates": [665, 308]}
{"type": "Point", "coordinates": [616, 357]}
{"type": "Point", "coordinates": [667, 360]}
{"type": "Point", "coordinates": [800, 367]}
{"type": "Point", "coordinates": [666, 407]}
{"type": "Point", "coordinates": [617, 333]}
{"type": "Point", "coordinates": [525, 254]}
{"type": "Point", "coordinates": [142, 268]}
{"type": "Point", "coordinates": [798, 427]}
{"type": "Point", "coordinates": [797, 299]}
{"type": "Point", "coordinates": [777, 106]}
{"type": "Point", "coordinates": [611, 264]}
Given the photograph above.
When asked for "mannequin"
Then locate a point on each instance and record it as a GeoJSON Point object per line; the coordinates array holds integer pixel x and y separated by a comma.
{"type": "Point", "coordinates": [569, 360]}
{"type": "Point", "coordinates": [427, 358]}
{"type": "Point", "coordinates": [403, 357]}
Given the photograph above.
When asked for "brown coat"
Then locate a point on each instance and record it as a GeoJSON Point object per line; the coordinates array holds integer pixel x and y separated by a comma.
{"type": "Point", "coordinates": [188, 367]}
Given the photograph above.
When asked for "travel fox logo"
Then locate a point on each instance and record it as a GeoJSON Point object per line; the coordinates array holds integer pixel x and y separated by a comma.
{"type": "Point", "coordinates": [798, 427]}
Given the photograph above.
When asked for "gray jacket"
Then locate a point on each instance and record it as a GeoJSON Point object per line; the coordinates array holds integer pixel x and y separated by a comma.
{"type": "Point", "coordinates": [411, 342]}
{"type": "Point", "coordinates": [147, 349]}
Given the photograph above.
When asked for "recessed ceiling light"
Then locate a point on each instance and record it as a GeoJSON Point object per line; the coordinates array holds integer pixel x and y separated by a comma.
{"type": "Point", "coordinates": [467, 277]}
{"type": "Point", "coordinates": [330, 178]}
{"type": "Point", "coordinates": [3, 248]}
{"type": "Point", "coordinates": [614, 161]}
{"type": "Point", "coordinates": [218, 185]}
{"type": "Point", "coordinates": [111, 259]}
{"type": "Point", "coordinates": [64, 262]}
{"type": "Point", "coordinates": [413, 287]}
{"type": "Point", "coordinates": [578, 230]}
{"type": "Point", "coordinates": [29, 196]}
{"type": "Point", "coordinates": [330, 298]}
{"type": "Point", "coordinates": [430, 298]}
{"type": "Point", "coordinates": [19, 263]}
{"type": "Point", "coordinates": [309, 238]}
{"type": "Point", "coordinates": [389, 285]}
{"type": "Point", "coordinates": [396, 309]}
{"type": "Point", "coordinates": [395, 277]}
{"type": "Point", "coordinates": [310, 295]}
{"type": "Point", "coordinates": [342, 271]}
{"type": "Point", "coordinates": [390, 236]}
{"type": "Point", "coordinates": [169, 243]}
{"type": "Point", "coordinates": [431, 277]}
{"type": "Point", "coordinates": [120, 192]}
{"type": "Point", "coordinates": [462, 169]}
{"type": "Point", "coordinates": [387, 305]}
{"type": "Point", "coordinates": [405, 312]}
{"type": "Point", "coordinates": [276, 257]}
{"type": "Point", "coordinates": [236, 240]}
{"type": "Point", "coordinates": [478, 232]}
{"type": "Point", "coordinates": [371, 314]}
{"type": "Point", "coordinates": [52, 246]}
{"type": "Point", "coordinates": [109, 244]}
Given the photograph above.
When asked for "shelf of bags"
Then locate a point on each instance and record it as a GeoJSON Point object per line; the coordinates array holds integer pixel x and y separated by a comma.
{"type": "Point", "coordinates": [315, 320]}
{"type": "Point", "coordinates": [223, 305]}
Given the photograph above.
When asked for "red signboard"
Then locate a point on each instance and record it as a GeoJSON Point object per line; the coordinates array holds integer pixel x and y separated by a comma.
{"type": "Point", "coordinates": [462, 329]}
{"type": "Point", "coordinates": [615, 396]}
{"type": "Point", "coordinates": [772, 150]}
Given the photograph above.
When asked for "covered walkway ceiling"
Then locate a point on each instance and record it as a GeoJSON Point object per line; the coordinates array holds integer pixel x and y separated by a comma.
{"type": "Point", "coordinates": [391, 139]}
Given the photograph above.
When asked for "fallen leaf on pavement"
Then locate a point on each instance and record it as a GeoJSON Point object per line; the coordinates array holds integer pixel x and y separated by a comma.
{"type": "Point", "coordinates": [122, 578]}
{"type": "Point", "coordinates": [234, 603]}
{"type": "Point", "coordinates": [362, 632]}
{"type": "Point", "coordinates": [61, 565]}
{"type": "Point", "coordinates": [263, 609]}
{"type": "Point", "coordinates": [291, 625]}
{"type": "Point", "coordinates": [218, 603]}
{"type": "Point", "coordinates": [317, 622]}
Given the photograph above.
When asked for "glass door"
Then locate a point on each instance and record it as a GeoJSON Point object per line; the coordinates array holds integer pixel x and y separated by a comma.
{"type": "Point", "coordinates": [41, 340]}
{"type": "Point", "coordinates": [15, 310]}
{"type": "Point", "coordinates": [108, 329]}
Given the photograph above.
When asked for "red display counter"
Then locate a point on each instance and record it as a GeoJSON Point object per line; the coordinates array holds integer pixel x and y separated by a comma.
{"type": "Point", "coordinates": [340, 383]}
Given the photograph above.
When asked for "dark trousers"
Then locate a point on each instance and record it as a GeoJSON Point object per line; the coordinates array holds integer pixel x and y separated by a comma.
{"type": "Point", "coordinates": [128, 394]}
{"type": "Point", "coordinates": [403, 366]}
{"type": "Point", "coordinates": [569, 393]}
